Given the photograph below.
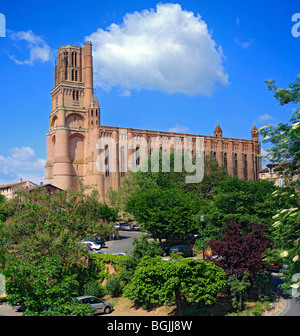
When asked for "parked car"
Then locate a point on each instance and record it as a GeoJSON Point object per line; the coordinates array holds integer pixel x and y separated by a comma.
{"type": "Point", "coordinates": [165, 250]}
{"type": "Point", "coordinates": [184, 249]}
{"type": "Point", "coordinates": [128, 227]}
{"type": "Point", "coordinates": [91, 245]}
{"type": "Point", "coordinates": [100, 306]}
{"type": "Point", "coordinates": [117, 226]}
{"type": "Point", "coordinates": [122, 226]}
{"type": "Point", "coordinates": [275, 267]}
{"type": "Point", "coordinates": [97, 252]}
{"type": "Point", "coordinates": [193, 235]}
{"type": "Point", "coordinates": [136, 227]}
{"type": "Point", "coordinates": [97, 240]}
{"type": "Point", "coordinates": [119, 254]}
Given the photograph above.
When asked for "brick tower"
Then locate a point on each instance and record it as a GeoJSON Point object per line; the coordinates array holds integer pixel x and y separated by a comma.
{"type": "Point", "coordinates": [74, 120]}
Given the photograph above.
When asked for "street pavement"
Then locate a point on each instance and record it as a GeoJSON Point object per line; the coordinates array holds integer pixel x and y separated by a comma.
{"type": "Point", "coordinates": [292, 306]}
{"type": "Point", "coordinates": [123, 244]}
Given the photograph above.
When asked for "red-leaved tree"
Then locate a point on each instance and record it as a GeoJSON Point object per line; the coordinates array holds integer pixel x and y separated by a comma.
{"type": "Point", "coordinates": [241, 248]}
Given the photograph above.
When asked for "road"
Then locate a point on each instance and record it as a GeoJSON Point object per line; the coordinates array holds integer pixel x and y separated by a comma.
{"type": "Point", "coordinates": [292, 308]}
{"type": "Point", "coordinates": [123, 244]}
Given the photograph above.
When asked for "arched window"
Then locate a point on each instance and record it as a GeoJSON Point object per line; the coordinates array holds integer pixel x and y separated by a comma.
{"type": "Point", "coordinates": [137, 156]}
{"type": "Point", "coordinates": [225, 161]}
{"type": "Point", "coordinates": [245, 167]}
{"type": "Point", "coordinates": [76, 75]}
{"type": "Point", "coordinates": [106, 161]}
{"type": "Point", "coordinates": [73, 76]}
{"type": "Point", "coordinates": [235, 167]}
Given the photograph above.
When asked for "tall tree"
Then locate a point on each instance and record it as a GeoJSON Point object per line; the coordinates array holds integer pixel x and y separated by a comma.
{"type": "Point", "coordinates": [157, 282]}
{"type": "Point", "coordinates": [285, 137]}
{"type": "Point", "coordinates": [241, 249]}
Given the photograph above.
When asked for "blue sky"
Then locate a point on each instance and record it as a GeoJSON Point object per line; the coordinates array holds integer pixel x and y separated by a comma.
{"type": "Point", "coordinates": [238, 44]}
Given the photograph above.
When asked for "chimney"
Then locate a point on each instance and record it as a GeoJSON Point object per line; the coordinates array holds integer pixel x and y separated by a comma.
{"type": "Point", "coordinates": [42, 183]}
{"type": "Point", "coordinates": [21, 180]}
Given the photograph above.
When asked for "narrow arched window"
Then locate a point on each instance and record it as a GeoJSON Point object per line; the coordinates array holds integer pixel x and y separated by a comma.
{"type": "Point", "coordinates": [225, 161]}
{"type": "Point", "coordinates": [137, 156]}
{"type": "Point", "coordinates": [73, 75]}
{"type": "Point", "coordinates": [235, 165]}
{"type": "Point", "coordinates": [245, 167]}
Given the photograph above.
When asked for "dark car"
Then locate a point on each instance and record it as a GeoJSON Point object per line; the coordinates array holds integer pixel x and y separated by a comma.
{"type": "Point", "coordinates": [165, 250]}
{"type": "Point", "coordinates": [275, 267]}
{"type": "Point", "coordinates": [136, 227]}
{"type": "Point", "coordinates": [184, 249]}
{"type": "Point", "coordinates": [122, 226]}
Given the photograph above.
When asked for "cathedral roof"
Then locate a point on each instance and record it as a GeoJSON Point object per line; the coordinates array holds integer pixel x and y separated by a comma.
{"type": "Point", "coordinates": [254, 128]}
{"type": "Point", "coordinates": [218, 130]}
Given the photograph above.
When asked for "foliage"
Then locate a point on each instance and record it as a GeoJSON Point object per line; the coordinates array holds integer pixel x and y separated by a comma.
{"type": "Point", "coordinates": [157, 281]}
{"type": "Point", "coordinates": [142, 247]}
{"type": "Point", "coordinates": [238, 289]}
{"type": "Point", "coordinates": [285, 138]}
{"type": "Point", "coordinates": [43, 260]}
{"type": "Point", "coordinates": [101, 262]}
{"type": "Point", "coordinates": [46, 284]}
{"type": "Point", "coordinates": [241, 201]}
{"type": "Point", "coordinates": [92, 288]}
{"type": "Point", "coordinates": [114, 286]}
{"type": "Point", "coordinates": [240, 249]}
{"type": "Point", "coordinates": [164, 212]}
{"type": "Point", "coordinates": [285, 236]}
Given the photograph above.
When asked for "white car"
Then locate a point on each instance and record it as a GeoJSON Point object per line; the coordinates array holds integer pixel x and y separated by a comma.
{"type": "Point", "coordinates": [91, 245]}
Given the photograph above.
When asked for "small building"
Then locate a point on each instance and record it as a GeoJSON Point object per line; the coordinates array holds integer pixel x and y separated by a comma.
{"type": "Point", "coordinates": [271, 173]}
{"type": "Point", "coordinates": [50, 188]}
{"type": "Point", "coordinates": [7, 190]}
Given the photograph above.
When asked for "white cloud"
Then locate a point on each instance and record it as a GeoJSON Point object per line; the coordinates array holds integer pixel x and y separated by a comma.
{"type": "Point", "coordinates": [244, 45]}
{"type": "Point", "coordinates": [38, 48]}
{"type": "Point", "coordinates": [179, 129]}
{"type": "Point", "coordinates": [265, 117]}
{"type": "Point", "coordinates": [21, 163]}
{"type": "Point", "coordinates": [167, 49]}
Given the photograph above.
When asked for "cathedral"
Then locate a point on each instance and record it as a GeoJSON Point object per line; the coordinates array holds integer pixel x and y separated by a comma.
{"type": "Point", "coordinates": [75, 134]}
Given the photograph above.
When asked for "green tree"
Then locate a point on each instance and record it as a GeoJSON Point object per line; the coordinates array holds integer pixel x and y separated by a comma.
{"type": "Point", "coordinates": [285, 137]}
{"type": "Point", "coordinates": [43, 248]}
{"type": "Point", "coordinates": [157, 281]}
{"type": "Point", "coordinates": [45, 288]}
{"type": "Point", "coordinates": [163, 212]}
{"type": "Point", "coordinates": [241, 201]}
{"type": "Point", "coordinates": [238, 289]}
{"type": "Point", "coordinates": [285, 236]}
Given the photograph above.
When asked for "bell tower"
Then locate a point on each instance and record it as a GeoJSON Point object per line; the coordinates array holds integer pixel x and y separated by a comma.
{"type": "Point", "coordinates": [68, 145]}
